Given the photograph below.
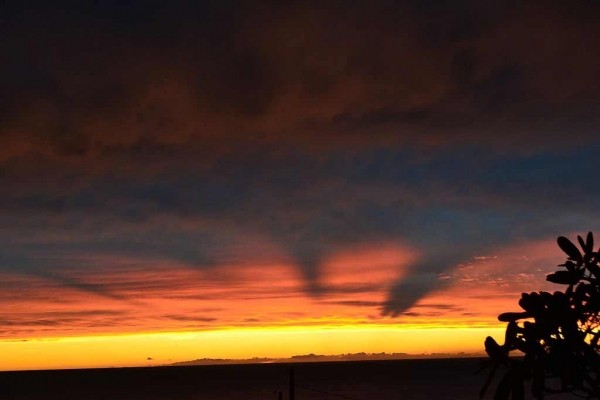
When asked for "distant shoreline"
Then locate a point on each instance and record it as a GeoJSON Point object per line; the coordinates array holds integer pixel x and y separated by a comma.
{"type": "Point", "coordinates": [307, 358]}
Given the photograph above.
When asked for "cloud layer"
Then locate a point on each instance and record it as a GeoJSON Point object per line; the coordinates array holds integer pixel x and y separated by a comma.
{"type": "Point", "coordinates": [218, 134]}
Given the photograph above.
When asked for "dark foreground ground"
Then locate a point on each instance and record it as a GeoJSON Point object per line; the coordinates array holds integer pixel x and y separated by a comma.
{"type": "Point", "coordinates": [366, 380]}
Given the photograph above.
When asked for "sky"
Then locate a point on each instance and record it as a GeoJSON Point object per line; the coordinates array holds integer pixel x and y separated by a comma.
{"type": "Point", "coordinates": [224, 179]}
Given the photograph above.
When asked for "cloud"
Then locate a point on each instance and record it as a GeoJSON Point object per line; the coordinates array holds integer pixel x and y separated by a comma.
{"type": "Point", "coordinates": [164, 82]}
{"type": "Point", "coordinates": [210, 135]}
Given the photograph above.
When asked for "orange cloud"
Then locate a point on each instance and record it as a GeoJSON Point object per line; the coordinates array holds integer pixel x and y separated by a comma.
{"type": "Point", "coordinates": [476, 291]}
{"type": "Point", "coordinates": [130, 295]}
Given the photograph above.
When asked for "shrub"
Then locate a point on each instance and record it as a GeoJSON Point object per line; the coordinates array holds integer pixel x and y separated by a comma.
{"type": "Point", "coordinates": [557, 333]}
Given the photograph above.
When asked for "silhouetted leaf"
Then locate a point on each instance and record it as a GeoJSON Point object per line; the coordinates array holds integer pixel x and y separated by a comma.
{"type": "Point", "coordinates": [532, 303]}
{"type": "Point", "coordinates": [563, 277]}
{"type": "Point", "coordinates": [510, 336]}
{"type": "Point", "coordinates": [589, 243]}
{"type": "Point", "coordinates": [496, 352]}
{"type": "Point", "coordinates": [581, 242]}
{"type": "Point", "coordinates": [570, 265]}
{"type": "Point", "coordinates": [569, 248]}
{"type": "Point", "coordinates": [513, 316]}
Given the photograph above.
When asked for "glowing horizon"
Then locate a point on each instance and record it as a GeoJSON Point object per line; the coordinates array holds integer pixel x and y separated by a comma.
{"type": "Point", "coordinates": [453, 319]}
{"type": "Point", "coordinates": [134, 350]}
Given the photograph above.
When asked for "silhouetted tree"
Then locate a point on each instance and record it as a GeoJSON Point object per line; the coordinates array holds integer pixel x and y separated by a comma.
{"type": "Point", "coordinates": [558, 333]}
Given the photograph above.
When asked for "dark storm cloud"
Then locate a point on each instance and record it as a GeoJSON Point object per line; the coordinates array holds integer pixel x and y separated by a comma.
{"type": "Point", "coordinates": [92, 80]}
{"type": "Point", "coordinates": [183, 131]}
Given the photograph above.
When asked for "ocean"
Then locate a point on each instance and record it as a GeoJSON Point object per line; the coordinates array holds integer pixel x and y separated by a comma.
{"type": "Point", "coordinates": [441, 379]}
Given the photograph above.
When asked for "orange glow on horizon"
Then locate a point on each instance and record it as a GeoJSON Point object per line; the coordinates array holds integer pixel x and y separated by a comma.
{"type": "Point", "coordinates": [173, 313]}
{"type": "Point", "coordinates": [282, 342]}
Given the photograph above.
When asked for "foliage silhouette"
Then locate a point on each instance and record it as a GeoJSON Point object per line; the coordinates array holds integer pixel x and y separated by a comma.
{"type": "Point", "coordinates": [558, 333]}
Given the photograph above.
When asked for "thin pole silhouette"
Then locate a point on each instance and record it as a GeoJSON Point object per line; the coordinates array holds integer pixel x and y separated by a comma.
{"type": "Point", "coordinates": [292, 384]}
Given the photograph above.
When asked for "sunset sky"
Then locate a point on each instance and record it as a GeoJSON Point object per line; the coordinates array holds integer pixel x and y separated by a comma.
{"type": "Point", "coordinates": [224, 179]}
